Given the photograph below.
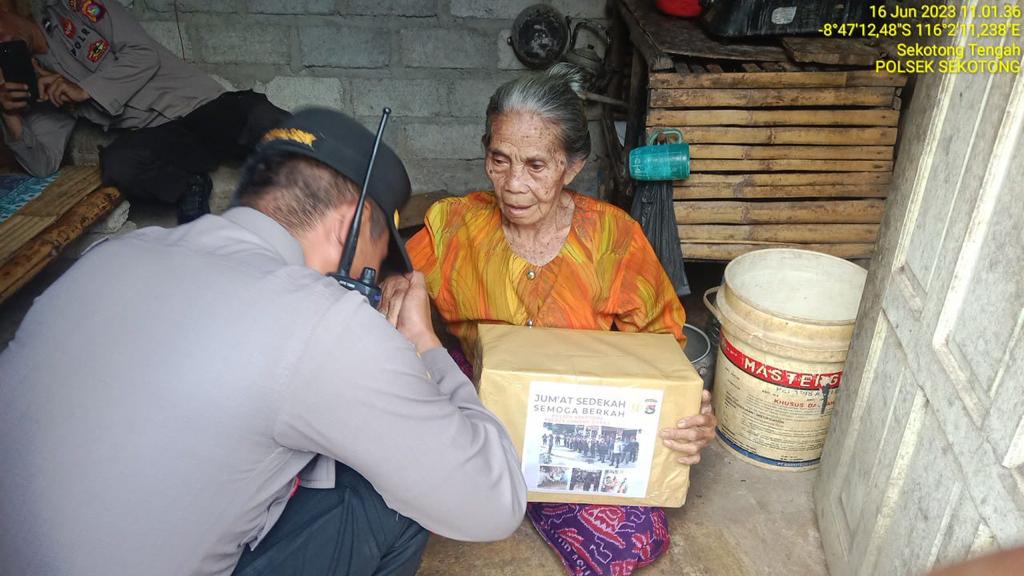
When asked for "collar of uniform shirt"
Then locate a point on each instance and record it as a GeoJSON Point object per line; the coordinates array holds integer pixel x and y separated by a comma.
{"type": "Point", "coordinates": [270, 231]}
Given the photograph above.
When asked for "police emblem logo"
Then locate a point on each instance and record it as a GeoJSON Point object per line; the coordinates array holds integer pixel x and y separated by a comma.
{"type": "Point", "coordinates": [93, 10]}
{"type": "Point", "coordinates": [651, 406]}
{"type": "Point", "coordinates": [68, 27]}
{"type": "Point", "coordinates": [97, 50]}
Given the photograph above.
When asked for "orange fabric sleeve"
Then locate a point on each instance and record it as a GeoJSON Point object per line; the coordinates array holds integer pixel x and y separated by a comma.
{"type": "Point", "coordinates": [423, 254]}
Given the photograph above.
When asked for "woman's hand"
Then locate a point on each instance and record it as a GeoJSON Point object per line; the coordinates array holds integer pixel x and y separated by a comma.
{"type": "Point", "coordinates": [393, 291]}
{"type": "Point", "coordinates": [405, 302]}
{"type": "Point", "coordinates": [692, 434]}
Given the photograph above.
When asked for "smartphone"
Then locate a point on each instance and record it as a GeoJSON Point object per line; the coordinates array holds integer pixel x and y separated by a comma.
{"type": "Point", "coordinates": [16, 64]}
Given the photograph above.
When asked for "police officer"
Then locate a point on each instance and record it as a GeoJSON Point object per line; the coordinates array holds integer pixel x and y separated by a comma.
{"type": "Point", "coordinates": [96, 62]}
{"type": "Point", "coordinates": [160, 397]}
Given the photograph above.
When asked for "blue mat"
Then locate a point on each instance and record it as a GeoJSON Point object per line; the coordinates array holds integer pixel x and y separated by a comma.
{"type": "Point", "coordinates": [17, 190]}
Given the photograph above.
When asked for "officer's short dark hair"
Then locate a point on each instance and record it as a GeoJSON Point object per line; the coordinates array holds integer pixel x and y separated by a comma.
{"type": "Point", "coordinates": [298, 192]}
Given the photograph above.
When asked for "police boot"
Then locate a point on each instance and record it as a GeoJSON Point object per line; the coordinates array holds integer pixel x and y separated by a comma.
{"type": "Point", "coordinates": [196, 200]}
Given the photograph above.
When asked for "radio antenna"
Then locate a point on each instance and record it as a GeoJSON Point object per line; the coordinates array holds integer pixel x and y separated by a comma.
{"type": "Point", "coordinates": [349, 252]}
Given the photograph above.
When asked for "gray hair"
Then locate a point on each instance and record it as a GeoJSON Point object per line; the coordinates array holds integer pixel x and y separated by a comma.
{"type": "Point", "coordinates": [552, 95]}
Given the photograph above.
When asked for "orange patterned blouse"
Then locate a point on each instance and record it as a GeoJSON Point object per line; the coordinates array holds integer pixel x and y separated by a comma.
{"type": "Point", "coordinates": [606, 273]}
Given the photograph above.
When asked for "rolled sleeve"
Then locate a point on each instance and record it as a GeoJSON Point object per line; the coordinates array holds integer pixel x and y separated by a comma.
{"type": "Point", "coordinates": [40, 148]}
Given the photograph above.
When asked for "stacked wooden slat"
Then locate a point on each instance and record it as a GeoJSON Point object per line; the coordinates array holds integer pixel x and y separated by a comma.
{"type": "Point", "coordinates": [35, 234]}
{"type": "Point", "coordinates": [780, 155]}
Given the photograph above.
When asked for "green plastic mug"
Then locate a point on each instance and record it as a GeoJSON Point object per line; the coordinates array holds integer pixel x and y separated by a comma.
{"type": "Point", "coordinates": [669, 161]}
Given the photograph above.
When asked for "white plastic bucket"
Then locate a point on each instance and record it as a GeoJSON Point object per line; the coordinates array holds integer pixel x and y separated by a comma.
{"type": "Point", "coordinates": [787, 318]}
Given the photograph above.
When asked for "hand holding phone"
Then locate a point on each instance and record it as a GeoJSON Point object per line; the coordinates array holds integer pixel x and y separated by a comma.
{"type": "Point", "coordinates": [19, 76]}
{"type": "Point", "coordinates": [14, 98]}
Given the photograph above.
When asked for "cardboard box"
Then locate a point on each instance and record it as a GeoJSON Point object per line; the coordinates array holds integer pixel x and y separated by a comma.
{"type": "Point", "coordinates": [584, 409]}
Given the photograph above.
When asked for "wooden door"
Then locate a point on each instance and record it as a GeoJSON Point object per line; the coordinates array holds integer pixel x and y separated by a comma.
{"type": "Point", "coordinates": [924, 464]}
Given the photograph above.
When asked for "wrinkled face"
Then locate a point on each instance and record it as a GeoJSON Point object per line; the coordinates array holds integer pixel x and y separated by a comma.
{"type": "Point", "coordinates": [527, 167]}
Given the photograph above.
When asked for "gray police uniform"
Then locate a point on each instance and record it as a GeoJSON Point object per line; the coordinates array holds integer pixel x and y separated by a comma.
{"type": "Point", "coordinates": [160, 397]}
{"type": "Point", "coordinates": [133, 81]}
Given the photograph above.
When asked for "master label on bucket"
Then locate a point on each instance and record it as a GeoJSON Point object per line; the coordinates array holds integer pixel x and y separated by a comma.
{"type": "Point", "coordinates": [772, 414]}
{"type": "Point", "coordinates": [787, 319]}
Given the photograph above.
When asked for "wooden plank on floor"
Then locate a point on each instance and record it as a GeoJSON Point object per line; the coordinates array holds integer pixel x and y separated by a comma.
{"type": "Point", "coordinates": [790, 165]}
{"type": "Point", "coordinates": [769, 97]}
{"type": "Point", "coordinates": [707, 251]}
{"type": "Point", "coordinates": [19, 229]}
{"type": "Point", "coordinates": [743, 117]}
{"type": "Point", "coordinates": [837, 79]}
{"type": "Point", "coordinates": [755, 192]}
{"type": "Point", "coordinates": [24, 264]}
{"type": "Point", "coordinates": [738, 152]}
{"type": "Point", "coordinates": [867, 136]}
{"type": "Point", "coordinates": [72, 184]}
{"type": "Point", "coordinates": [812, 179]}
{"type": "Point", "coordinates": [753, 233]}
{"type": "Point", "coordinates": [783, 212]}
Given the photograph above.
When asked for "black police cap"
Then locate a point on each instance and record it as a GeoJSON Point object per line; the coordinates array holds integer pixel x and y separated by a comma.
{"type": "Point", "coordinates": [345, 145]}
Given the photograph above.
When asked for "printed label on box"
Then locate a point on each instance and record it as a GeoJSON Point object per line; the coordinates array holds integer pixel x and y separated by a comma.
{"type": "Point", "coordinates": [590, 439]}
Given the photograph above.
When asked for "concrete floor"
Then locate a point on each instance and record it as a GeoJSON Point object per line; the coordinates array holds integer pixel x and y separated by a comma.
{"type": "Point", "coordinates": [739, 520]}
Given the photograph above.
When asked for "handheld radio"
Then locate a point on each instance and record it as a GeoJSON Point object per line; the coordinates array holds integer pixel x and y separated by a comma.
{"type": "Point", "coordinates": [367, 282]}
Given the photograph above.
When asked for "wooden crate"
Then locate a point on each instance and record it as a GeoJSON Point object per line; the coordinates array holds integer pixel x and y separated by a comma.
{"type": "Point", "coordinates": [782, 155]}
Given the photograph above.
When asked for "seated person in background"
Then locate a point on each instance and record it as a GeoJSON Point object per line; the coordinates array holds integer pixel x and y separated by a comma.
{"type": "Point", "coordinates": [96, 62]}
{"type": "Point", "coordinates": [534, 253]}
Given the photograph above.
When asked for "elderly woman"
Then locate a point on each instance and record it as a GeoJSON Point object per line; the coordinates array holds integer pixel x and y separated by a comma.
{"type": "Point", "coordinates": [534, 253]}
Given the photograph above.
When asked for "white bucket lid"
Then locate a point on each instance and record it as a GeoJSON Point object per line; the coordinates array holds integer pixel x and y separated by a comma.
{"type": "Point", "coordinates": [798, 285]}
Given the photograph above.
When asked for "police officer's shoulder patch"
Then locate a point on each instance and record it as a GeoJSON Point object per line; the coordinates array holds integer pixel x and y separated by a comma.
{"type": "Point", "coordinates": [92, 10]}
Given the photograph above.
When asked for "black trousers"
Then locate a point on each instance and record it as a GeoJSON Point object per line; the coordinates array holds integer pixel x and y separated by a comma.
{"type": "Point", "coordinates": [156, 163]}
{"type": "Point", "coordinates": [346, 531]}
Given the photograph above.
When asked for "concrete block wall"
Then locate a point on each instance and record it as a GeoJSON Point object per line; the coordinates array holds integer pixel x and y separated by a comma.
{"type": "Point", "coordinates": [434, 62]}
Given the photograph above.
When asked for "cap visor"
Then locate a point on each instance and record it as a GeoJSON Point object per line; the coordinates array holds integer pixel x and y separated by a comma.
{"type": "Point", "coordinates": [397, 260]}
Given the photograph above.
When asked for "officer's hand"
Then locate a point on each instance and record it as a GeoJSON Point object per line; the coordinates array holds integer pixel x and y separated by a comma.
{"type": "Point", "coordinates": [46, 81]}
{"type": "Point", "coordinates": [60, 91]}
{"type": "Point", "coordinates": [692, 434]}
{"type": "Point", "coordinates": [414, 317]}
{"type": "Point", "coordinates": [393, 291]}
{"type": "Point", "coordinates": [13, 97]}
